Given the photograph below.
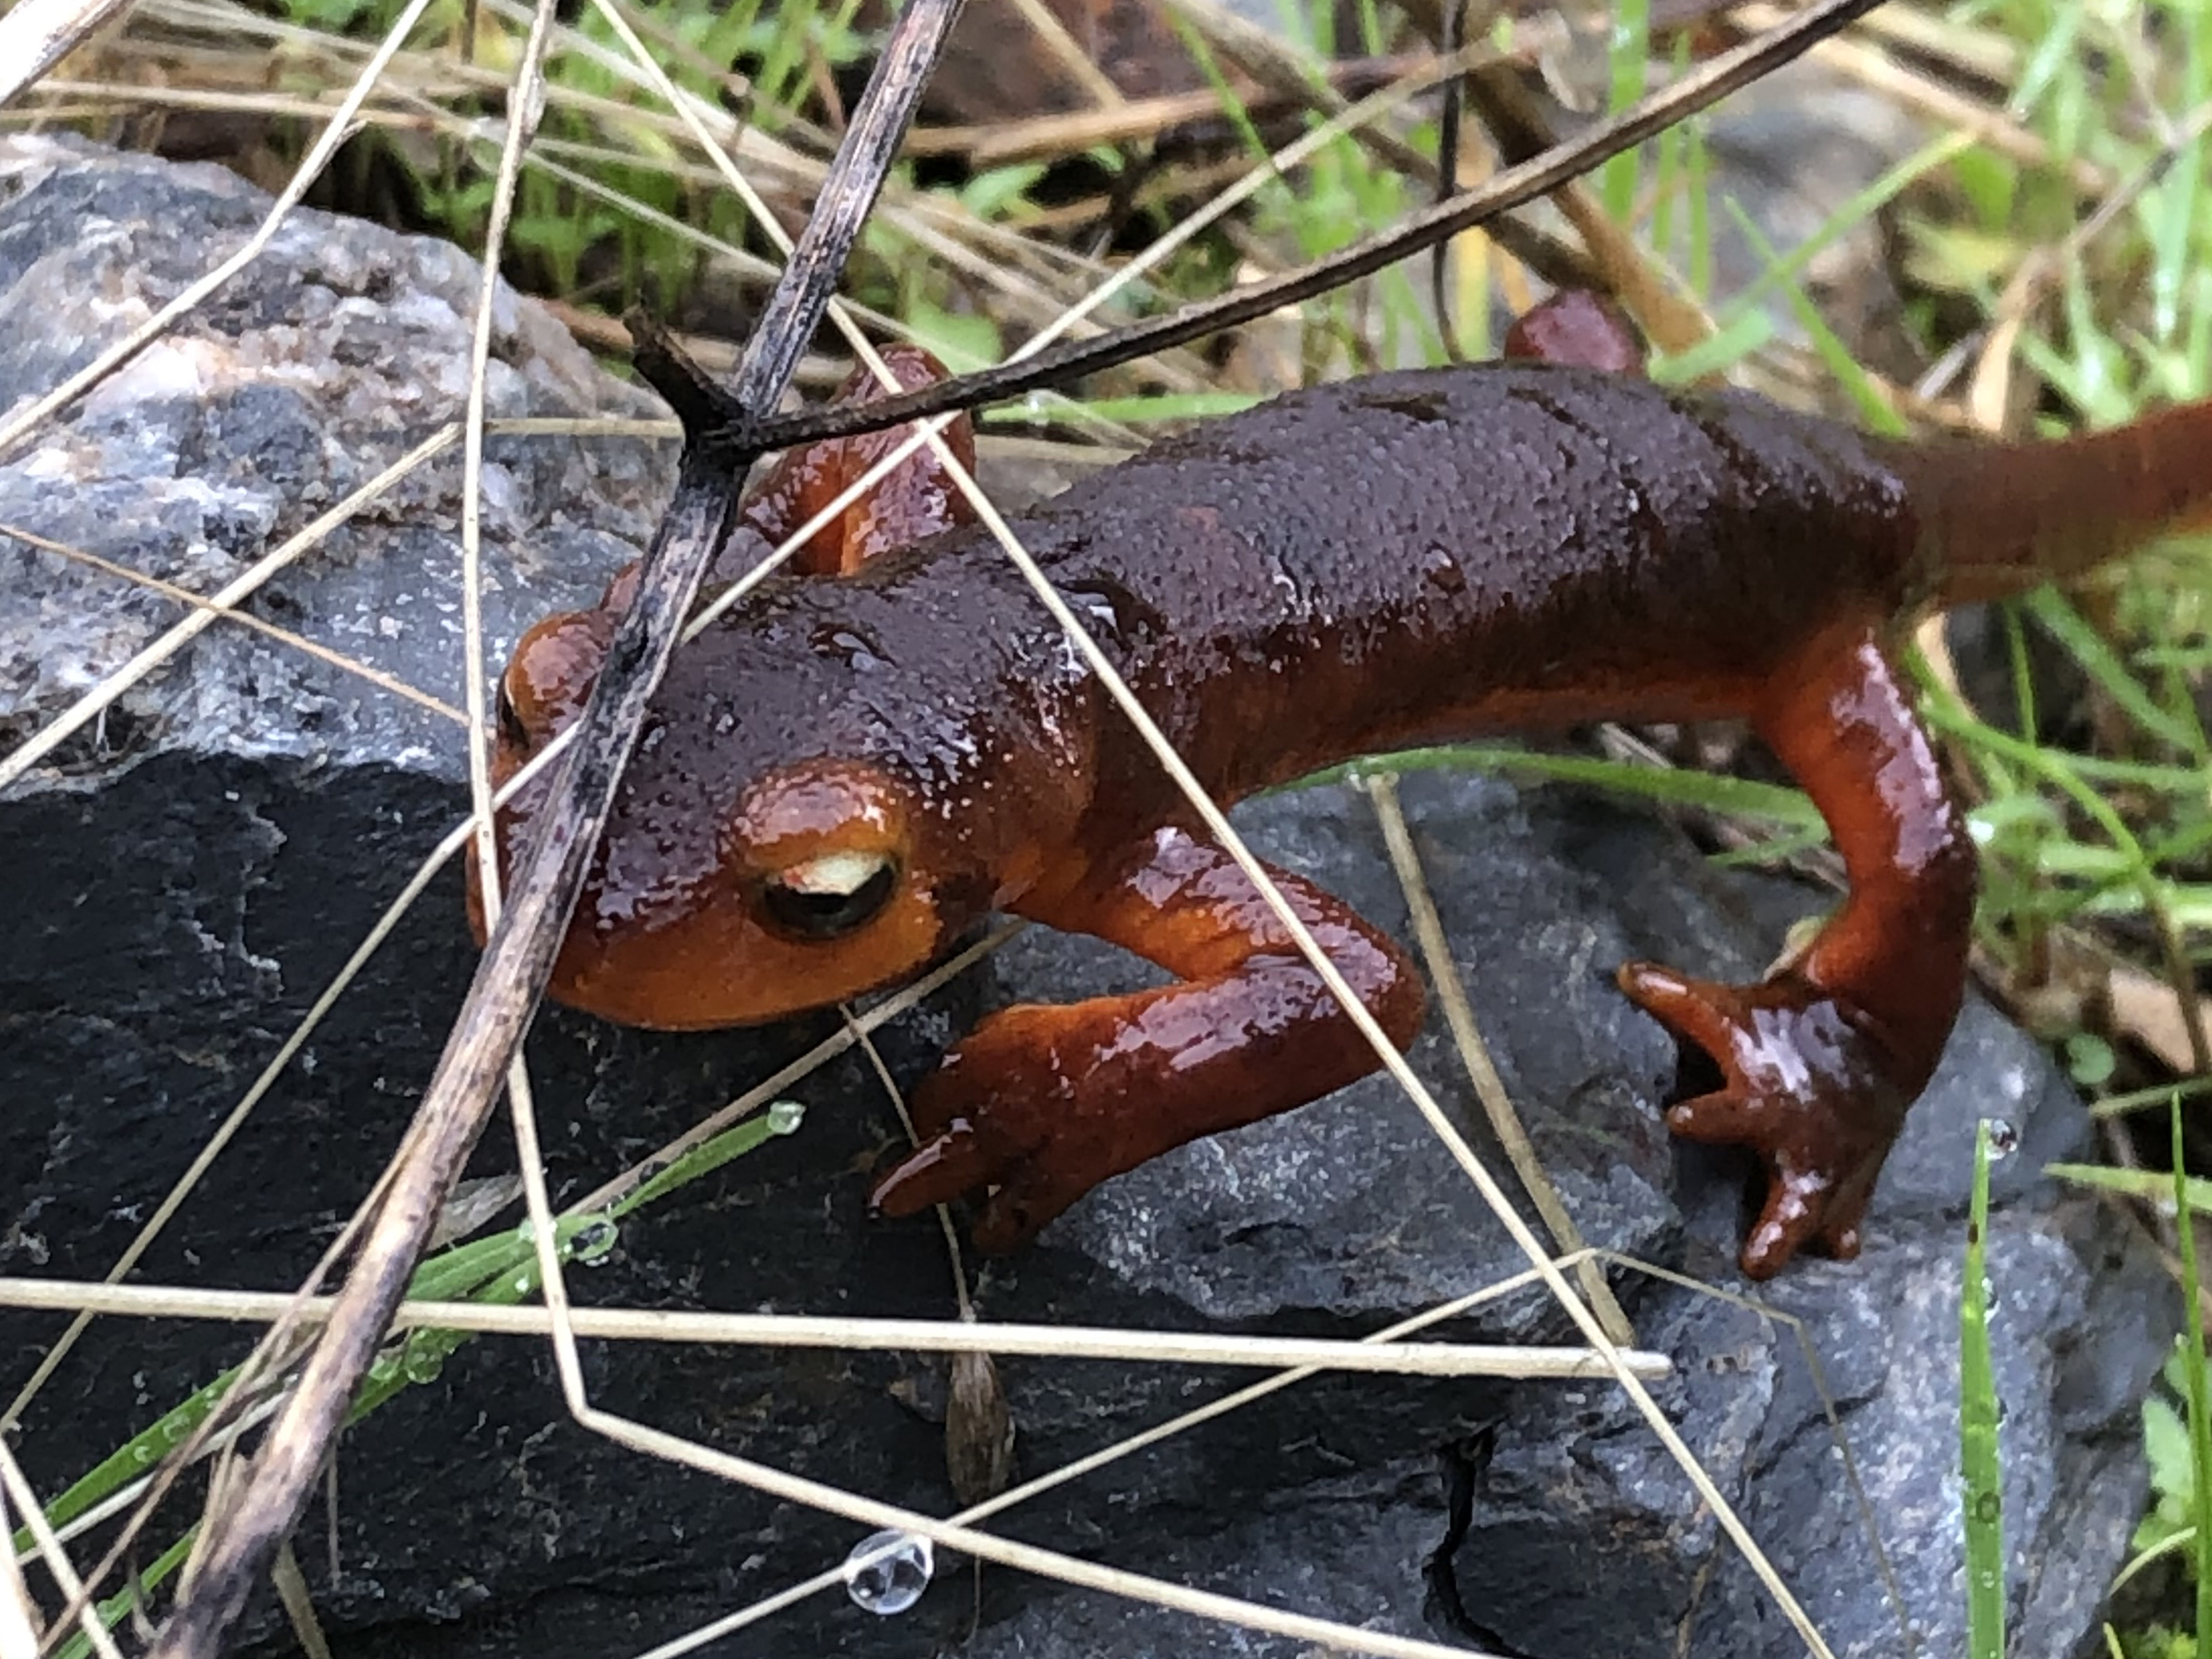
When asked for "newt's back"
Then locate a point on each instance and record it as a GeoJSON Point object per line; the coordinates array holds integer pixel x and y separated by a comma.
{"type": "Point", "coordinates": [1435, 552]}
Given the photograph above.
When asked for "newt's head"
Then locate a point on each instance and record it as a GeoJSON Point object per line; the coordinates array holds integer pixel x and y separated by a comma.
{"type": "Point", "coordinates": [809, 813]}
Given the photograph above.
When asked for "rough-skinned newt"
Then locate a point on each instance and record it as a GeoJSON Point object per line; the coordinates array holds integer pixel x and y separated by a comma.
{"type": "Point", "coordinates": [842, 777]}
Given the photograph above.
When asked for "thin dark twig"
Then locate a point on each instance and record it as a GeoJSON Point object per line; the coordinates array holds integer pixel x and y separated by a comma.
{"type": "Point", "coordinates": [243, 1535]}
{"type": "Point", "coordinates": [1514, 187]}
{"type": "Point", "coordinates": [1452, 31]}
{"type": "Point", "coordinates": [682, 381]}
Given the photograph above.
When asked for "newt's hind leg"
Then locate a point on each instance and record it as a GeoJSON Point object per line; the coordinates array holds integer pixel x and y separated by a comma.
{"type": "Point", "coordinates": [1821, 1058]}
{"type": "Point", "coordinates": [1040, 1103]}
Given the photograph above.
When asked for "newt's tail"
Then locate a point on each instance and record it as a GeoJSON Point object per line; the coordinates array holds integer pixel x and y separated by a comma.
{"type": "Point", "coordinates": [1999, 518]}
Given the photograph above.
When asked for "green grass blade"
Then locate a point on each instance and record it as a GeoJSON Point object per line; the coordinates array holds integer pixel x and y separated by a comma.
{"type": "Point", "coordinates": [1981, 1468]}
{"type": "Point", "coordinates": [1699, 165]}
{"type": "Point", "coordinates": [1736, 797]}
{"type": "Point", "coordinates": [1855, 212]}
{"type": "Point", "coordinates": [2147, 1186]}
{"type": "Point", "coordinates": [1672, 149]}
{"type": "Point", "coordinates": [782, 1118]}
{"type": "Point", "coordinates": [2173, 205]}
{"type": "Point", "coordinates": [2192, 1366]}
{"type": "Point", "coordinates": [136, 1457]}
{"type": "Point", "coordinates": [1717, 352]}
{"type": "Point", "coordinates": [1835, 356]}
{"type": "Point", "coordinates": [1629, 54]}
{"type": "Point", "coordinates": [1142, 410]}
{"type": "Point", "coordinates": [2068, 626]}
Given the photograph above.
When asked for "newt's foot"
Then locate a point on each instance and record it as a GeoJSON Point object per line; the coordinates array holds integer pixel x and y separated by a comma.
{"type": "Point", "coordinates": [1806, 1086]}
{"type": "Point", "coordinates": [1006, 1111]}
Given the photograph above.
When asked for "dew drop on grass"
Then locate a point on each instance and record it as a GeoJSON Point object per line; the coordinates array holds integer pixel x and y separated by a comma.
{"type": "Point", "coordinates": [785, 1116]}
{"type": "Point", "coordinates": [887, 1571]}
{"type": "Point", "coordinates": [423, 1361]}
{"type": "Point", "coordinates": [594, 1242]}
{"type": "Point", "coordinates": [2003, 1138]}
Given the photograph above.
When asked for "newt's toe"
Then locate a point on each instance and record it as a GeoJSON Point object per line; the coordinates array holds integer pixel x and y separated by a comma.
{"type": "Point", "coordinates": [999, 1124]}
{"type": "Point", "coordinates": [1711, 1015]}
{"type": "Point", "coordinates": [1024, 1195]}
{"type": "Point", "coordinates": [936, 1171]}
{"type": "Point", "coordinates": [1727, 1117]}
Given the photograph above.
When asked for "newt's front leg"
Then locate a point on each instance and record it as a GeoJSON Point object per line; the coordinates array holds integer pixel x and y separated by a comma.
{"type": "Point", "coordinates": [1044, 1102]}
{"type": "Point", "coordinates": [1821, 1058]}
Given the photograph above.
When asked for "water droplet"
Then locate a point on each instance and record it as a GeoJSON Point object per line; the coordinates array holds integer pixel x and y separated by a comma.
{"type": "Point", "coordinates": [785, 1116]}
{"type": "Point", "coordinates": [887, 1571]}
{"type": "Point", "coordinates": [2003, 1138]}
{"type": "Point", "coordinates": [594, 1242]}
{"type": "Point", "coordinates": [424, 1359]}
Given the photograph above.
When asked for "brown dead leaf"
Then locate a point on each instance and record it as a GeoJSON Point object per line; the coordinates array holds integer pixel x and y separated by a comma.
{"type": "Point", "coordinates": [979, 1430]}
{"type": "Point", "coordinates": [2147, 1009]}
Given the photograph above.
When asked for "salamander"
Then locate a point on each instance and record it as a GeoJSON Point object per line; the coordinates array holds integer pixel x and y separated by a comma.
{"type": "Point", "coordinates": [873, 753]}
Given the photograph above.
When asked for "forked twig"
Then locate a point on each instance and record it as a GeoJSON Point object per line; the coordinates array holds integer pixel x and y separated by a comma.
{"type": "Point", "coordinates": [242, 1537]}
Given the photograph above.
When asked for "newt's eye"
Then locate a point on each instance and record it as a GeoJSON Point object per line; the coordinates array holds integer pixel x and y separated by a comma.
{"type": "Point", "coordinates": [827, 897]}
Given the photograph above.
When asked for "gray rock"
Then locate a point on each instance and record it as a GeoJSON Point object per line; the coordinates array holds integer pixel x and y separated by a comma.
{"type": "Point", "coordinates": [335, 355]}
{"type": "Point", "coordinates": [184, 885]}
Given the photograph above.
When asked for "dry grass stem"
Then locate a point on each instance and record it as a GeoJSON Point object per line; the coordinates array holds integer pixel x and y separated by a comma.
{"type": "Point", "coordinates": [37, 35]}
{"type": "Point", "coordinates": [50, 1552]}
{"type": "Point", "coordinates": [1381, 790]}
{"type": "Point", "coordinates": [1067, 1342]}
